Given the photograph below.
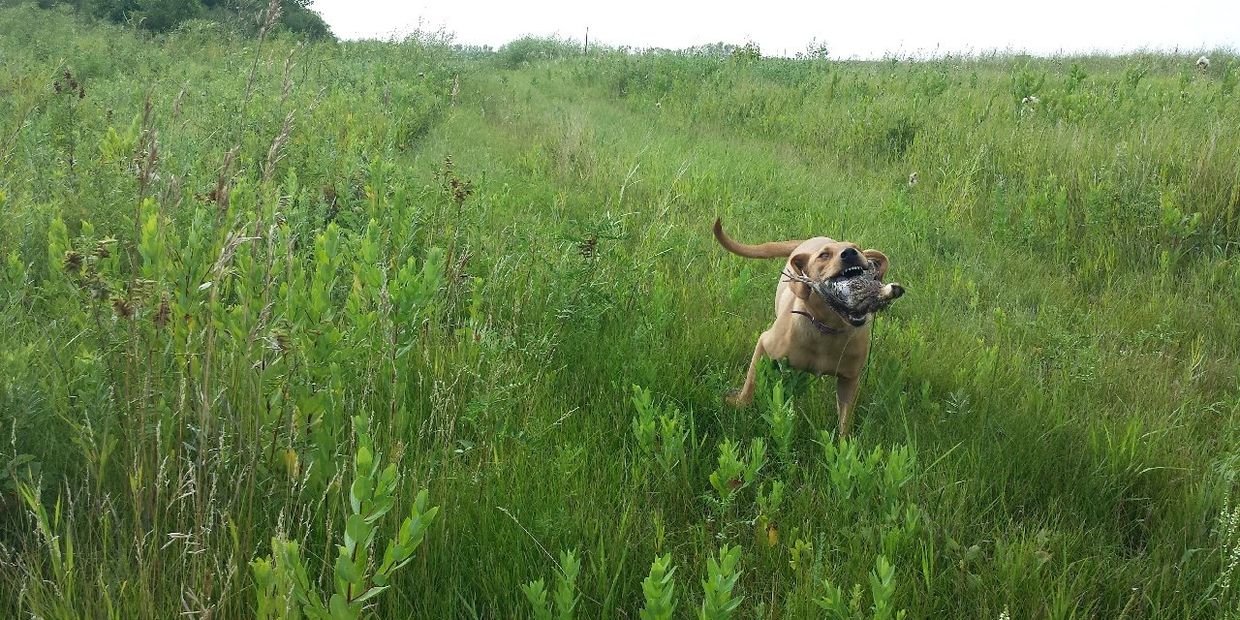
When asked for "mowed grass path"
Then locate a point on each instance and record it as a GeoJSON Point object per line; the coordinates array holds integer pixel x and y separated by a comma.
{"type": "Point", "coordinates": [1066, 442]}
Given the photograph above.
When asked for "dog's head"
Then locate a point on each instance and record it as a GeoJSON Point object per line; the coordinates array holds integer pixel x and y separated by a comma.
{"type": "Point", "coordinates": [834, 261]}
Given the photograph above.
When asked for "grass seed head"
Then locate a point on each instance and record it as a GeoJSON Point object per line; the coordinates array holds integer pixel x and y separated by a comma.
{"type": "Point", "coordinates": [73, 261]}
{"type": "Point", "coordinates": [163, 313]}
{"type": "Point", "coordinates": [122, 307]}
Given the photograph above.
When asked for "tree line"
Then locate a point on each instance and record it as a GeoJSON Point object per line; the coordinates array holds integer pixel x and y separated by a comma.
{"type": "Point", "coordinates": [167, 15]}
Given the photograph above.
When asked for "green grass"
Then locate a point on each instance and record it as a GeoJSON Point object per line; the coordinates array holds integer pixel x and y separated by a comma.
{"type": "Point", "coordinates": [1047, 426]}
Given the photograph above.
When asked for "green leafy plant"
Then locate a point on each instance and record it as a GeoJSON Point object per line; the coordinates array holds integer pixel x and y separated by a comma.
{"type": "Point", "coordinates": [282, 577]}
{"type": "Point", "coordinates": [722, 572]}
{"type": "Point", "coordinates": [536, 593]}
{"type": "Point", "coordinates": [781, 417]}
{"type": "Point", "coordinates": [801, 556]}
{"type": "Point", "coordinates": [882, 590]}
{"type": "Point", "coordinates": [769, 504]}
{"type": "Point", "coordinates": [735, 472]}
{"type": "Point", "coordinates": [672, 437]}
{"type": "Point", "coordinates": [644, 427]}
{"type": "Point", "coordinates": [660, 433]}
{"type": "Point", "coordinates": [659, 590]}
{"type": "Point", "coordinates": [566, 595]}
{"type": "Point", "coordinates": [877, 476]}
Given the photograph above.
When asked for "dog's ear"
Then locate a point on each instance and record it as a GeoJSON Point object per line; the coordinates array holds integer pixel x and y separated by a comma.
{"type": "Point", "coordinates": [879, 262]}
{"type": "Point", "coordinates": [798, 262]}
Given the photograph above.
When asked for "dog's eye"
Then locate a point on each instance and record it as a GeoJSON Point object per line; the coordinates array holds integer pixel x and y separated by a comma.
{"type": "Point", "coordinates": [826, 254]}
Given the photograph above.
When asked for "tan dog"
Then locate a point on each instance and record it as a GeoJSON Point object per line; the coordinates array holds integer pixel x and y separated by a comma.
{"type": "Point", "coordinates": [812, 334]}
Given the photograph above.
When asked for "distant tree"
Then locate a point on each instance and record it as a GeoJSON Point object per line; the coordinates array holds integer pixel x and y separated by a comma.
{"type": "Point", "coordinates": [117, 11]}
{"type": "Point", "coordinates": [295, 15]}
{"type": "Point", "coordinates": [164, 15]}
{"type": "Point", "coordinates": [302, 20]}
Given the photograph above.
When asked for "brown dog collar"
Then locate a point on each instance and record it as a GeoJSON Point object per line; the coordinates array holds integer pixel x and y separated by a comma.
{"type": "Point", "coordinates": [823, 328]}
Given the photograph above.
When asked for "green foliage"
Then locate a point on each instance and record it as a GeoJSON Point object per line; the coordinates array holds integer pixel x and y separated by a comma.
{"type": "Point", "coordinates": [1027, 83]}
{"type": "Point", "coordinates": [769, 506]}
{"type": "Point", "coordinates": [281, 578]}
{"type": "Point", "coordinates": [1076, 77]}
{"type": "Point", "coordinates": [58, 541]}
{"type": "Point", "coordinates": [528, 50]}
{"type": "Point", "coordinates": [781, 417]}
{"type": "Point", "coordinates": [721, 576]}
{"type": "Point", "coordinates": [564, 601]}
{"type": "Point", "coordinates": [736, 472]}
{"type": "Point", "coordinates": [882, 588]}
{"type": "Point", "coordinates": [659, 590]}
{"type": "Point", "coordinates": [868, 482]}
{"type": "Point", "coordinates": [194, 16]}
{"type": "Point", "coordinates": [536, 593]}
{"type": "Point", "coordinates": [1230, 76]}
{"type": "Point", "coordinates": [644, 426]}
{"type": "Point", "coordinates": [163, 15]}
{"type": "Point", "coordinates": [660, 433]}
{"type": "Point", "coordinates": [1227, 532]}
{"type": "Point", "coordinates": [746, 54]}
{"type": "Point", "coordinates": [566, 585]}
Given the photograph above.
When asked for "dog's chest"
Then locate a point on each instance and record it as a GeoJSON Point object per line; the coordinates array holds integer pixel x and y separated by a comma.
{"type": "Point", "coordinates": [821, 354]}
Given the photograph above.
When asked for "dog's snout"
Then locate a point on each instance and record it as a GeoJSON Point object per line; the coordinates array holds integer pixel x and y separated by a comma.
{"type": "Point", "coordinates": [850, 254]}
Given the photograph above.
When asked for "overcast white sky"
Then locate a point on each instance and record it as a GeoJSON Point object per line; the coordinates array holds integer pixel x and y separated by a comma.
{"type": "Point", "coordinates": [858, 28]}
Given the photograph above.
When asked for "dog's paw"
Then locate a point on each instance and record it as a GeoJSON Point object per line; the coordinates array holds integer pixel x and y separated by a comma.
{"type": "Point", "coordinates": [735, 399]}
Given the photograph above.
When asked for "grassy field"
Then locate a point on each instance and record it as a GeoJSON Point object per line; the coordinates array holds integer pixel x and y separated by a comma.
{"type": "Point", "coordinates": [257, 295]}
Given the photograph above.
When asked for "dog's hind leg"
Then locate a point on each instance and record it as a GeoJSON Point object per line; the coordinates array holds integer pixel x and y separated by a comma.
{"type": "Point", "coordinates": [845, 395]}
{"type": "Point", "coordinates": [745, 396]}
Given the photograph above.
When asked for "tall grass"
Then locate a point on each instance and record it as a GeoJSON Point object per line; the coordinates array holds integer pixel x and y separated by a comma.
{"type": "Point", "coordinates": [216, 314]}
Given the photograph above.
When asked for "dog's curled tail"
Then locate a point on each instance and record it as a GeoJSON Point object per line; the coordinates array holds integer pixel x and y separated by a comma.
{"type": "Point", "coordinates": [770, 249]}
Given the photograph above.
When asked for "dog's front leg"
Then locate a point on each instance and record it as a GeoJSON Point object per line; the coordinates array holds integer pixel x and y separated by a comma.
{"type": "Point", "coordinates": [845, 395]}
{"type": "Point", "coordinates": [745, 396]}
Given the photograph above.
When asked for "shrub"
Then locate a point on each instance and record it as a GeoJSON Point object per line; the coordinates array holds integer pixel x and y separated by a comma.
{"type": "Point", "coordinates": [533, 49]}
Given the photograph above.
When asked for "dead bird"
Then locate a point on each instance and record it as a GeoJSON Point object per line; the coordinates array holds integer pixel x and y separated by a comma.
{"type": "Point", "coordinates": [858, 295]}
{"type": "Point", "coordinates": [855, 293]}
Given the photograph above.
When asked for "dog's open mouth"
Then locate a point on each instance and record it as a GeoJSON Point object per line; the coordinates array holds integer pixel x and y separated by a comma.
{"type": "Point", "coordinates": [850, 272]}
